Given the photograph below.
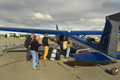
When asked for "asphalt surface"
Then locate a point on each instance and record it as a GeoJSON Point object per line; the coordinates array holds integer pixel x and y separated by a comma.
{"type": "Point", "coordinates": [13, 66]}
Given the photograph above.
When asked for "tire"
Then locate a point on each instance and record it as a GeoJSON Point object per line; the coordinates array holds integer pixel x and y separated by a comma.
{"type": "Point", "coordinates": [114, 71]}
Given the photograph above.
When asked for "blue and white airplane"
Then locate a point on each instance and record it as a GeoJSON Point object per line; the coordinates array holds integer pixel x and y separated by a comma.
{"type": "Point", "coordinates": [105, 50]}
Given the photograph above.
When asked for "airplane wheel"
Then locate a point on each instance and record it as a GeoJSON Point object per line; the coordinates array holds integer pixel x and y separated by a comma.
{"type": "Point", "coordinates": [114, 71]}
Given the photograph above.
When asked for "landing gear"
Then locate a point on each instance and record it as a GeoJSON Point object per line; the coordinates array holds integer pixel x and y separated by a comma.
{"type": "Point", "coordinates": [114, 71]}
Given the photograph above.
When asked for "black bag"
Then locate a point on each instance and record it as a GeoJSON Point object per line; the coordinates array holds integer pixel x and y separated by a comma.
{"type": "Point", "coordinates": [49, 53]}
{"type": "Point", "coordinates": [57, 56]}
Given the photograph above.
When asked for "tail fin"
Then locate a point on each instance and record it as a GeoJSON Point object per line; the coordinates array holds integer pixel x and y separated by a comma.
{"type": "Point", "coordinates": [109, 39]}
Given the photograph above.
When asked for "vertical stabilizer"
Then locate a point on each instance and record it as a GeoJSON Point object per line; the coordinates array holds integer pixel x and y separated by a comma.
{"type": "Point", "coordinates": [112, 48]}
{"type": "Point", "coordinates": [109, 39]}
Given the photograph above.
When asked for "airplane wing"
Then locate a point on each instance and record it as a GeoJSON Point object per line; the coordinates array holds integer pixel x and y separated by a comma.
{"type": "Point", "coordinates": [37, 31]}
{"type": "Point", "coordinates": [86, 32]}
{"type": "Point", "coordinates": [54, 32]}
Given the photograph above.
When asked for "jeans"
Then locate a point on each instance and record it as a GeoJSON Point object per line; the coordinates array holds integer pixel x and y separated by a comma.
{"type": "Point", "coordinates": [68, 51]}
{"type": "Point", "coordinates": [28, 54]}
{"type": "Point", "coordinates": [35, 58]}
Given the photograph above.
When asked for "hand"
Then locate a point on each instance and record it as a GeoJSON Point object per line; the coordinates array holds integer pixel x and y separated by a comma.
{"type": "Point", "coordinates": [40, 42]}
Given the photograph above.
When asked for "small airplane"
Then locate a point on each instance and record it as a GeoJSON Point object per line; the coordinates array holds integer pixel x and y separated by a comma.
{"type": "Point", "coordinates": [105, 50]}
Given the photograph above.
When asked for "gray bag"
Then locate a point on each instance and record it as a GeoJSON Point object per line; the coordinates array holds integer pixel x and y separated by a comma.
{"type": "Point", "coordinates": [53, 55]}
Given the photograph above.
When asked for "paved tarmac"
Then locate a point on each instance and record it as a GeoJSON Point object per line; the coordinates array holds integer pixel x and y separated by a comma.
{"type": "Point", "coordinates": [13, 66]}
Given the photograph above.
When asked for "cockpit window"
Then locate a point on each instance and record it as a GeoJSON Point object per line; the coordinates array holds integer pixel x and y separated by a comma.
{"type": "Point", "coordinates": [91, 38]}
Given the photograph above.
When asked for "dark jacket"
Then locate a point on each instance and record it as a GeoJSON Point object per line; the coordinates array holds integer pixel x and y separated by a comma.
{"type": "Point", "coordinates": [27, 41]}
{"type": "Point", "coordinates": [34, 45]}
{"type": "Point", "coordinates": [45, 41]}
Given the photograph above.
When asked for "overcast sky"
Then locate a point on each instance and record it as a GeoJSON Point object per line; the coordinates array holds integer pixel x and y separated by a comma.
{"type": "Point", "coordinates": [67, 14]}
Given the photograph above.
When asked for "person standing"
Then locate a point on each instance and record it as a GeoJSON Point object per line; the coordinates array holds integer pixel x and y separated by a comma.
{"type": "Point", "coordinates": [33, 49]}
{"type": "Point", "coordinates": [46, 46]}
{"type": "Point", "coordinates": [68, 50]}
{"type": "Point", "coordinates": [66, 45]}
{"type": "Point", "coordinates": [27, 45]}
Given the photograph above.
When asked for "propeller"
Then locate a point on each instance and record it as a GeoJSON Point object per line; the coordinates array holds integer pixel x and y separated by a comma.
{"type": "Point", "coordinates": [56, 26]}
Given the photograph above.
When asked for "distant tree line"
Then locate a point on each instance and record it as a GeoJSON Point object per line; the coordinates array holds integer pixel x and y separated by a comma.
{"type": "Point", "coordinates": [24, 35]}
{"type": "Point", "coordinates": [14, 35]}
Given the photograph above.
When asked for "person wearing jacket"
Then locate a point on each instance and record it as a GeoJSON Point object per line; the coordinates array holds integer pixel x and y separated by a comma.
{"type": "Point", "coordinates": [46, 46]}
{"type": "Point", "coordinates": [33, 49]}
{"type": "Point", "coordinates": [66, 43]}
{"type": "Point", "coordinates": [27, 45]}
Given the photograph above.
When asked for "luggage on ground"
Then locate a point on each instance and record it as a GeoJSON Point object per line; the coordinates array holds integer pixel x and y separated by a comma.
{"type": "Point", "coordinates": [52, 54]}
{"type": "Point", "coordinates": [57, 56]}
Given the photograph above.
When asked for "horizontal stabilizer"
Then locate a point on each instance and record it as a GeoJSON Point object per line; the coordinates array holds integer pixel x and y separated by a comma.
{"type": "Point", "coordinates": [93, 56]}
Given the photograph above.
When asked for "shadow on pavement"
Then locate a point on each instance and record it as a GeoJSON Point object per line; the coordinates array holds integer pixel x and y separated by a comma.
{"type": "Point", "coordinates": [70, 63]}
{"type": "Point", "coordinates": [16, 51]}
{"type": "Point", "coordinates": [10, 63]}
